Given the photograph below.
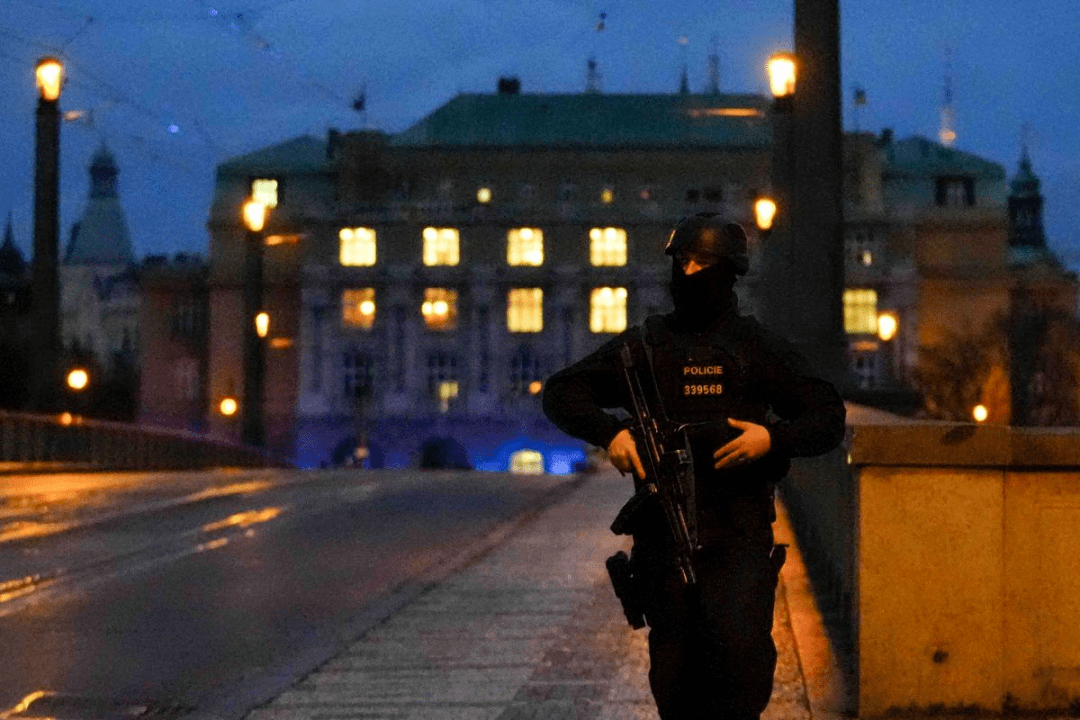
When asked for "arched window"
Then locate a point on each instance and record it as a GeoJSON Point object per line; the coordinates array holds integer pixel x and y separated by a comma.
{"type": "Point", "coordinates": [527, 462]}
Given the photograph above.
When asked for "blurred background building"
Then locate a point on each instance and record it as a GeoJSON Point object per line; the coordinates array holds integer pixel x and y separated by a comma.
{"type": "Point", "coordinates": [421, 286]}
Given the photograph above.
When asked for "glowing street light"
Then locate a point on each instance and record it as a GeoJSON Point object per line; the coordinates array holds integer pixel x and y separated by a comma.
{"type": "Point", "coordinates": [78, 379]}
{"type": "Point", "coordinates": [262, 324]}
{"type": "Point", "coordinates": [228, 406]}
{"type": "Point", "coordinates": [764, 213]}
{"type": "Point", "coordinates": [980, 413]}
{"type": "Point", "coordinates": [49, 75]}
{"type": "Point", "coordinates": [887, 326]}
{"type": "Point", "coordinates": [781, 69]}
{"type": "Point", "coordinates": [255, 215]}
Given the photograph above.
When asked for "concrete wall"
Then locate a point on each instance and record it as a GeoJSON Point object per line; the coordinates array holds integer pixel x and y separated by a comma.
{"type": "Point", "coordinates": [957, 547]}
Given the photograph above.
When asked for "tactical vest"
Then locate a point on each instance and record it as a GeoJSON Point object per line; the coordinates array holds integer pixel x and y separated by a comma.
{"type": "Point", "coordinates": [707, 378]}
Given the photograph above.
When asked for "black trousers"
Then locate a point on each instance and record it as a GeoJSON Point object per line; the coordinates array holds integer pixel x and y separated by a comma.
{"type": "Point", "coordinates": [710, 645]}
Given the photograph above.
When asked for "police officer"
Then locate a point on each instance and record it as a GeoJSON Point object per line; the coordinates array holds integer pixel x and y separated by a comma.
{"type": "Point", "coordinates": [754, 404]}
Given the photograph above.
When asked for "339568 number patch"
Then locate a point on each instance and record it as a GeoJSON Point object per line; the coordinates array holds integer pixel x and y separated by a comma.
{"type": "Point", "coordinates": [692, 389]}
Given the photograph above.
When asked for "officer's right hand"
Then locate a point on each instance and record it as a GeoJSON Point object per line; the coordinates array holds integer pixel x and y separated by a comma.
{"type": "Point", "coordinates": [624, 455]}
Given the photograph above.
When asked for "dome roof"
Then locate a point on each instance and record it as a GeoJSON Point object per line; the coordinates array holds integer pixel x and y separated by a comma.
{"type": "Point", "coordinates": [101, 237]}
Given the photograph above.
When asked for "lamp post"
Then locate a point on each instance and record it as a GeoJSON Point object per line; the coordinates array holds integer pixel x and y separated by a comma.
{"type": "Point", "coordinates": [45, 389]}
{"type": "Point", "coordinates": [78, 379]}
{"type": "Point", "coordinates": [817, 209]}
{"type": "Point", "coordinates": [256, 324]}
{"type": "Point", "coordinates": [774, 227]}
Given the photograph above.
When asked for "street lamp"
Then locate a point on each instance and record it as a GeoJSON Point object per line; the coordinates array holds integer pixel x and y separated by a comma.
{"type": "Point", "coordinates": [777, 261]}
{"type": "Point", "coordinates": [781, 69]}
{"type": "Point", "coordinates": [228, 406]}
{"type": "Point", "coordinates": [252, 428]}
{"type": "Point", "coordinates": [78, 379]}
{"type": "Point", "coordinates": [262, 324]}
{"type": "Point", "coordinates": [764, 213]}
{"type": "Point", "coordinates": [49, 76]}
{"type": "Point", "coordinates": [887, 326]}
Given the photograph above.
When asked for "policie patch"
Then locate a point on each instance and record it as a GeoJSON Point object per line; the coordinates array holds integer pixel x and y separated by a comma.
{"type": "Point", "coordinates": [702, 379]}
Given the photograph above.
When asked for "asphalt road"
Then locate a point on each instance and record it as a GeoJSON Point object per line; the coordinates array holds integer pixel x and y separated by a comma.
{"type": "Point", "coordinates": [205, 592]}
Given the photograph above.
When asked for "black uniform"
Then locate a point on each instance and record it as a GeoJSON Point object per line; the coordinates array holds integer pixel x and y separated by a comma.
{"type": "Point", "coordinates": [710, 644]}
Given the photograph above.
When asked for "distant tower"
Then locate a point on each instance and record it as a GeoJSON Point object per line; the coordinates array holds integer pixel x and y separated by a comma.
{"type": "Point", "coordinates": [684, 78]}
{"type": "Point", "coordinates": [1025, 207]}
{"type": "Point", "coordinates": [714, 66]}
{"type": "Point", "coordinates": [592, 76]}
{"type": "Point", "coordinates": [12, 264]}
{"type": "Point", "coordinates": [99, 298]}
{"type": "Point", "coordinates": [947, 133]}
{"type": "Point", "coordinates": [101, 237]}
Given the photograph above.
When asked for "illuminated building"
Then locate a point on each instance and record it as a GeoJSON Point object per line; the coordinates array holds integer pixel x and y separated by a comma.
{"type": "Point", "coordinates": [428, 282]}
{"type": "Point", "coordinates": [423, 285]}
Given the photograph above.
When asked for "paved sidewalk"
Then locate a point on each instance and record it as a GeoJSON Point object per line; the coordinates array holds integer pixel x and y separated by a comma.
{"type": "Point", "coordinates": [530, 630]}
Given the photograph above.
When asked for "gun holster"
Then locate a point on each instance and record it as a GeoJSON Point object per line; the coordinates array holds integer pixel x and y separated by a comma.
{"type": "Point", "coordinates": [626, 587]}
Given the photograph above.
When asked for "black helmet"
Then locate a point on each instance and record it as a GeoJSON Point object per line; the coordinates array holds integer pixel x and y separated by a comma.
{"type": "Point", "coordinates": [711, 237]}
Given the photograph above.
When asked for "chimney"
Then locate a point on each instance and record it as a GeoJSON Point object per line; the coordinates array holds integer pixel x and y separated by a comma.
{"type": "Point", "coordinates": [509, 86]}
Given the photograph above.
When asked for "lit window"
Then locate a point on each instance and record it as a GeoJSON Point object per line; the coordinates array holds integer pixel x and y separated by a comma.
{"type": "Point", "coordinates": [357, 247]}
{"type": "Point", "coordinates": [525, 310]}
{"type": "Point", "coordinates": [440, 308]}
{"type": "Point", "coordinates": [358, 308]}
{"type": "Point", "coordinates": [607, 196]}
{"type": "Point", "coordinates": [607, 310]}
{"type": "Point", "coordinates": [483, 195]}
{"type": "Point", "coordinates": [442, 378]}
{"type": "Point", "coordinates": [862, 248]}
{"type": "Point", "coordinates": [440, 246]}
{"type": "Point", "coordinates": [607, 246]}
{"type": "Point", "coordinates": [527, 462]}
{"type": "Point", "coordinates": [447, 392]}
{"type": "Point", "coordinates": [265, 191]}
{"type": "Point", "coordinates": [525, 246]}
{"type": "Point", "coordinates": [860, 311]}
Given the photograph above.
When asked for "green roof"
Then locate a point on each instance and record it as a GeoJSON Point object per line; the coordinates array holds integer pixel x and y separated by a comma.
{"type": "Point", "coordinates": [302, 154]}
{"type": "Point", "coordinates": [593, 120]}
{"type": "Point", "coordinates": [920, 157]}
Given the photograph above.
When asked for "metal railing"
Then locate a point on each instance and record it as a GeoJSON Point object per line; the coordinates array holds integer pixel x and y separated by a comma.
{"type": "Point", "coordinates": [65, 441]}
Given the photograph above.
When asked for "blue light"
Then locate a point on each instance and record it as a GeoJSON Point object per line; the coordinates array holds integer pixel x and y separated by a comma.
{"type": "Point", "coordinates": [174, 129]}
{"type": "Point", "coordinates": [562, 461]}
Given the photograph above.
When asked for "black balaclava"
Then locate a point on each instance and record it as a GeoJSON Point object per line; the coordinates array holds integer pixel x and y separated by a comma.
{"type": "Point", "coordinates": [705, 297]}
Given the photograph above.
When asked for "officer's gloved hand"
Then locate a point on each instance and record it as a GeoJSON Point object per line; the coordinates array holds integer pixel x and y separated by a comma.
{"type": "Point", "coordinates": [624, 455]}
{"type": "Point", "coordinates": [753, 443]}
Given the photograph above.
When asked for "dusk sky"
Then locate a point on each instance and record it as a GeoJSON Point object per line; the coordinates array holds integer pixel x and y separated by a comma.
{"type": "Point", "coordinates": [175, 87]}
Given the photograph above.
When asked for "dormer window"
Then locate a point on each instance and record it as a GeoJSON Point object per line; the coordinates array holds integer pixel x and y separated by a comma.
{"type": "Point", "coordinates": [265, 191]}
{"type": "Point", "coordinates": [954, 191]}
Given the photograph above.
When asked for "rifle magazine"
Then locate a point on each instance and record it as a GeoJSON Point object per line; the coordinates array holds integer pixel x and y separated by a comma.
{"type": "Point", "coordinates": [631, 513]}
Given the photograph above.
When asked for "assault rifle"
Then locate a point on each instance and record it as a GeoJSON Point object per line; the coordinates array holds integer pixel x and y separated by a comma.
{"type": "Point", "coordinates": [664, 447]}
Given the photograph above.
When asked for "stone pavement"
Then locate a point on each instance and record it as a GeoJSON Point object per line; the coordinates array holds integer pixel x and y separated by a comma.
{"type": "Point", "coordinates": [531, 629]}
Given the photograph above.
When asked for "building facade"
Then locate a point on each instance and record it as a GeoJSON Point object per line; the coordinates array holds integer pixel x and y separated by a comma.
{"type": "Point", "coordinates": [174, 320]}
{"type": "Point", "coordinates": [422, 286]}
